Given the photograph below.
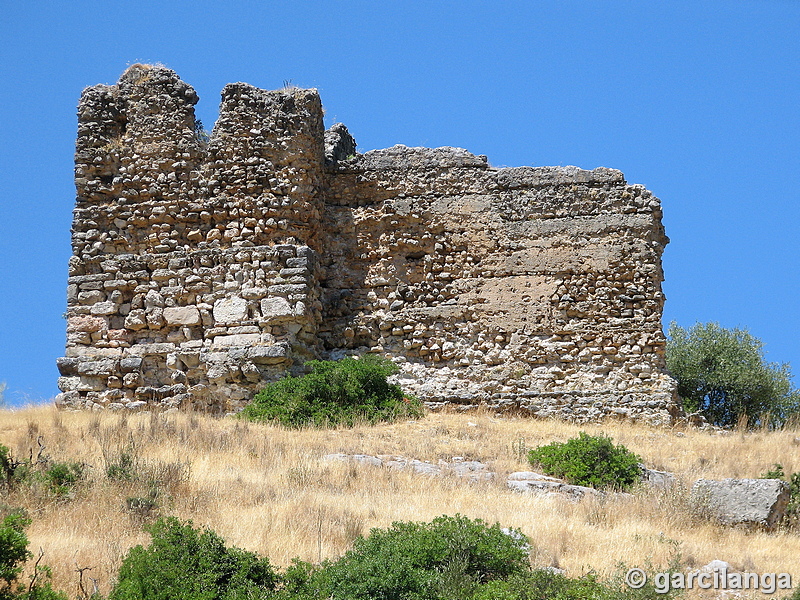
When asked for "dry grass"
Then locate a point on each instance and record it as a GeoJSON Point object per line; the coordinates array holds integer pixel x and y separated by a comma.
{"type": "Point", "coordinates": [267, 489]}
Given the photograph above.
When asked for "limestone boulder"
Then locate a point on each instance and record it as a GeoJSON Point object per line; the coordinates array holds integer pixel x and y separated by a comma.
{"type": "Point", "coordinates": [751, 502]}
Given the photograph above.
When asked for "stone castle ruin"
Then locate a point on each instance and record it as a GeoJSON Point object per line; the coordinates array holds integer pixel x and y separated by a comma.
{"type": "Point", "coordinates": [205, 266]}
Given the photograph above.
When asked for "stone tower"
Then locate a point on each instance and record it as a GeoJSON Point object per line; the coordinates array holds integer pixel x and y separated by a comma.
{"type": "Point", "coordinates": [204, 267]}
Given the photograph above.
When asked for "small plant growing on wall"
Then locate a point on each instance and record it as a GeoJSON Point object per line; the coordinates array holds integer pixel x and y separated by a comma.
{"type": "Point", "coordinates": [345, 392]}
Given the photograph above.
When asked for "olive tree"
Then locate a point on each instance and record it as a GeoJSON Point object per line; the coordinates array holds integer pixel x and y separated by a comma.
{"type": "Point", "coordinates": [722, 374]}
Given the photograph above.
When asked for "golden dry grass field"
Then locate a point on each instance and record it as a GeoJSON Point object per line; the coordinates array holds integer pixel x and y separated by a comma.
{"type": "Point", "coordinates": [267, 489]}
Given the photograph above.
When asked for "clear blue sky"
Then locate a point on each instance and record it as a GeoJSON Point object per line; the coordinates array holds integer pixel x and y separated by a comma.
{"type": "Point", "coordinates": [699, 101]}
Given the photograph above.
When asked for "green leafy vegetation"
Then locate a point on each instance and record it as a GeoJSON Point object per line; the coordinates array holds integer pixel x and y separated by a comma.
{"type": "Point", "coordinates": [56, 478]}
{"type": "Point", "coordinates": [184, 563]}
{"type": "Point", "coordinates": [123, 469]}
{"type": "Point", "coordinates": [426, 560]}
{"type": "Point", "coordinates": [450, 558]}
{"type": "Point", "coordinates": [61, 477]}
{"type": "Point", "coordinates": [592, 461]}
{"type": "Point", "coordinates": [13, 555]}
{"type": "Point", "coordinates": [722, 374]}
{"type": "Point", "coordinates": [335, 393]}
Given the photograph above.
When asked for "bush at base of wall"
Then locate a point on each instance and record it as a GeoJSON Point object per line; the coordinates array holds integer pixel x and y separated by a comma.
{"type": "Point", "coordinates": [345, 392]}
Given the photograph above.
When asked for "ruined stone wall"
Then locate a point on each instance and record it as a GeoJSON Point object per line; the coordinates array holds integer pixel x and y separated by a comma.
{"type": "Point", "coordinates": [204, 268]}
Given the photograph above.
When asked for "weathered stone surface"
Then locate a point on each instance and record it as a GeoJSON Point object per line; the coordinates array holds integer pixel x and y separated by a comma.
{"type": "Point", "coordinates": [104, 308]}
{"type": "Point", "coordinates": [242, 339]}
{"type": "Point", "coordinates": [267, 354]}
{"type": "Point", "coordinates": [67, 366]}
{"type": "Point", "coordinates": [136, 320]}
{"type": "Point", "coordinates": [752, 502]}
{"type": "Point", "coordinates": [530, 482]}
{"type": "Point", "coordinates": [85, 323]}
{"type": "Point", "coordinates": [532, 289]}
{"type": "Point", "coordinates": [657, 479]}
{"type": "Point", "coordinates": [182, 315]}
{"type": "Point", "coordinates": [230, 310]}
{"type": "Point", "coordinates": [276, 308]}
{"type": "Point", "coordinates": [130, 364]}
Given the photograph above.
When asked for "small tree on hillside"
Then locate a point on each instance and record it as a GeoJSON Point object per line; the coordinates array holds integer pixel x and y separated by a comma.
{"type": "Point", "coordinates": [722, 374]}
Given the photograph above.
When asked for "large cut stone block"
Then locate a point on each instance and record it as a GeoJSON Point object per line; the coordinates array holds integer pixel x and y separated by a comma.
{"type": "Point", "coordinates": [755, 502]}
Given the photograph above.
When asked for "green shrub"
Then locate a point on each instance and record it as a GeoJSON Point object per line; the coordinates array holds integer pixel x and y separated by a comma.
{"type": "Point", "coordinates": [57, 478]}
{"type": "Point", "coordinates": [61, 477]}
{"type": "Point", "coordinates": [450, 558]}
{"type": "Point", "coordinates": [587, 460]}
{"type": "Point", "coordinates": [544, 584]}
{"type": "Point", "coordinates": [334, 393]}
{"type": "Point", "coordinates": [13, 551]}
{"type": "Point", "coordinates": [427, 561]}
{"type": "Point", "coordinates": [13, 554]}
{"type": "Point", "coordinates": [122, 470]}
{"type": "Point", "coordinates": [183, 563]}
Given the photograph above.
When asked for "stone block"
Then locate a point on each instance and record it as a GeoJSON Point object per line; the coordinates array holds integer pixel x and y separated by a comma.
{"type": "Point", "coordinates": [530, 482]}
{"type": "Point", "coordinates": [136, 320]}
{"type": "Point", "coordinates": [104, 308]}
{"type": "Point", "coordinates": [69, 384]}
{"type": "Point", "coordinates": [67, 366]}
{"type": "Point", "coordinates": [153, 349]}
{"type": "Point", "coordinates": [241, 339]}
{"type": "Point", "coordinates": [95, 368]}
{"type": "Point", "coordinates": [230, 310]}
{"type": "Point", "coordinates": [91, 384]}
{"type": "Point", "coordinates": [657, 479]}
{"type": "Point", "coordinates": [276, 308]}
{"type": "Point", "coordinates": [267, 354]}
{"type": "Point", "coordinates": [85, 323]}
{"type": "Point", "coordinates": [750, 502]}
{"type": "Point", "coordinates": [182, 315]}
{"type": "Point", "coordinates": [91, 297]}
{"type": "Point", "coordinates": [130, 364]}
{"type": "Point", "coordinates": [286, 289]}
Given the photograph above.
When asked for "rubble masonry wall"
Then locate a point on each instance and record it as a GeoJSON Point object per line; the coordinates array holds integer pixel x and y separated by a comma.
{"type": "Point", "coordinates": [204, 267]}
